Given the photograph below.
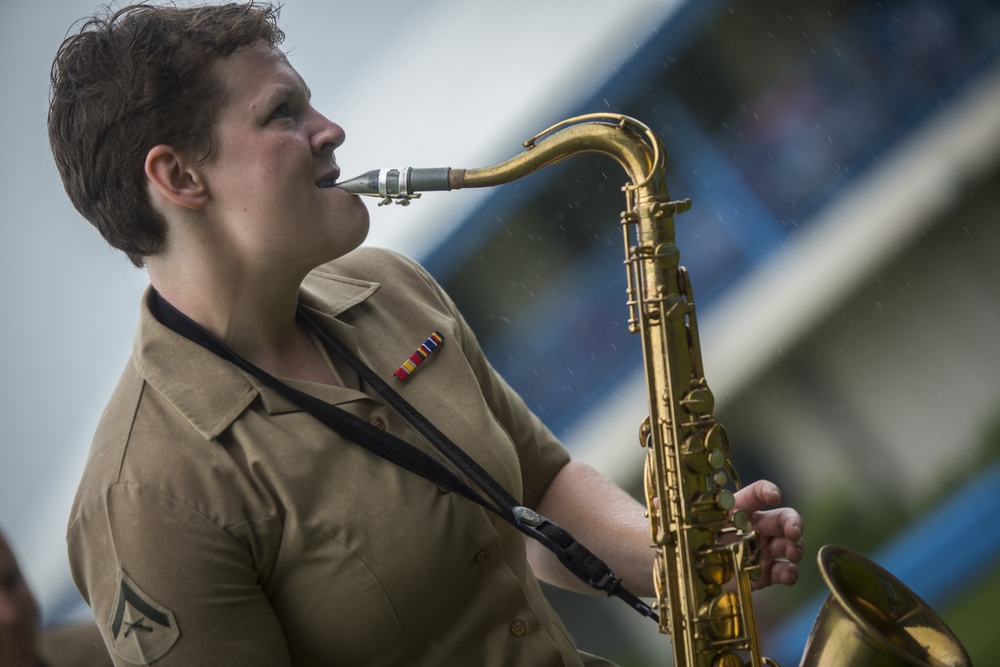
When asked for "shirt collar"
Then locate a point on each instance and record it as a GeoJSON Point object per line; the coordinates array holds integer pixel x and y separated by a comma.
{"type": "Point", "coordinates": [210, 392]}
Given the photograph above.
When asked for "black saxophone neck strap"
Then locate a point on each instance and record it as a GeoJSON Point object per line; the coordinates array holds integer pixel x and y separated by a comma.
{"type": "Point", "coordinates": [574, 556]}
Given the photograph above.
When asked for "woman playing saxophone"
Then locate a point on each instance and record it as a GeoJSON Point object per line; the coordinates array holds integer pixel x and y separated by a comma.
{"type": "Point", "coordinates": [218, 521]}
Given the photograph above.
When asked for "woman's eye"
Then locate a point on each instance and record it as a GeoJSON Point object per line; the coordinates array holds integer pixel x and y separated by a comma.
{"type": "Point", "coordinates": [282, 111]}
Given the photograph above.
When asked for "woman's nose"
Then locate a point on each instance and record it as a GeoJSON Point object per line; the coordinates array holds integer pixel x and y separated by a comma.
{"type": "Point", "coordinates": [329, 135]}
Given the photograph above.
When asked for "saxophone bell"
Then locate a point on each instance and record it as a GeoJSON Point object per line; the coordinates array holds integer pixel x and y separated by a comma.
{"type": "Point", "coordinates": [872, 618]}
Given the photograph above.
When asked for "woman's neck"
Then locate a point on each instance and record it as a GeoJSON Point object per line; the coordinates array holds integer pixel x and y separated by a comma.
{"type": "Point", "coordinates": [253, 315]}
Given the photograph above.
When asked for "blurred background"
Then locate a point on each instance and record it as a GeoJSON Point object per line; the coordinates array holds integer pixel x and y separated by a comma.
{"type": "Point", "coordinates": [844, 162]}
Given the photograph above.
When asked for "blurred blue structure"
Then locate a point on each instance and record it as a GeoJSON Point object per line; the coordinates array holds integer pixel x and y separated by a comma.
{"type": "Point", "coordinates": [762, 130]}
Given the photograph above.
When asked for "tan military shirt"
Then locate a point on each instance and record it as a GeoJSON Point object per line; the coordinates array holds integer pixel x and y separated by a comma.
{"type": "Point", "coordinates": [73, 645]}
{"type": "Point", "coordinates": [218, 524]}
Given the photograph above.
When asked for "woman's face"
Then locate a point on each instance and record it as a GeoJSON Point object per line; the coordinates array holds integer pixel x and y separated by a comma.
{"type": "Point", "coordinates": [270, 175]}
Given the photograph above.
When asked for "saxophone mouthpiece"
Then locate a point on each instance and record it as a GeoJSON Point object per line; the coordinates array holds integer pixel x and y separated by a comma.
{"type": "Point", "coordinates": [400, 185]}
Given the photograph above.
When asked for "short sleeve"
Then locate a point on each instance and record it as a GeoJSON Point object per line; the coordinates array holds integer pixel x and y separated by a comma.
{"type": "Point", "coordinates": [166, 584]}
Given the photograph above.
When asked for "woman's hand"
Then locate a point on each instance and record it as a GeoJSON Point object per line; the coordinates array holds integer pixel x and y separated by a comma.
{"type": "Point", "coordinates": [780, 532]}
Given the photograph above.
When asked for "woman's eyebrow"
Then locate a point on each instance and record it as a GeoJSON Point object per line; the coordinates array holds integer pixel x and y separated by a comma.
{"type": "Point", "coordinates": [303, 84]}
{"type": "Point", "coordinates": [284, 91]}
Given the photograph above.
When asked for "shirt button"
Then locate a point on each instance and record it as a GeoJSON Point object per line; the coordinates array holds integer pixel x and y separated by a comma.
{"type": "Point", "coordinates": [378, 422]}
{"type": "Point", "coordinates": [518, 628]}
{"type": "Point", "coordinates": [482, 556]}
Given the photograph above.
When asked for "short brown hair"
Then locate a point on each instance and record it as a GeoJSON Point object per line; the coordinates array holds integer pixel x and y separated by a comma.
{"type": "Point", "coordinates": [129, 80]}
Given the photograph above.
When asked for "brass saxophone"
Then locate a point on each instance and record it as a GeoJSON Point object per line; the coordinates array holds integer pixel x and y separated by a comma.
{"type": "Point", "coordinates": [706, 554]}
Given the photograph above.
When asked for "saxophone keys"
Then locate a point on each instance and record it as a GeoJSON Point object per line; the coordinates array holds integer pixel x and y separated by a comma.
{"type": "Point", "coordinates": [725, 500]}
{"type": "Point", "coordinates": [728, 659]}
{"type": "Point", "coordinates": [699, 401]}
{"type": "Point", "coordinates": [667, 255]}
{"type": "Point", "coordinates": [715, 566]}
{"type": "Point", "coordinates": [720, 617]}
{"type": "Point", "coordinates": [645, 433]}
{"type": "Point", "coordinates": [740, 520]}
{"type": "Point", "coordinates": [716, 500]}
{"type": "Point", "coordinates": [705, 451]}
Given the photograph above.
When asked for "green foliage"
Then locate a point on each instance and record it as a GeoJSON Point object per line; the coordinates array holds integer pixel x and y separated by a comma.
{"type": "Point", "coordinates": [972, 616]}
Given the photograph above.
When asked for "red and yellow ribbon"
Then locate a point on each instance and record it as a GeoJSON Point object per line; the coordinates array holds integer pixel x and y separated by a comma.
{"type": "Point", "coordinates": [417, 357]}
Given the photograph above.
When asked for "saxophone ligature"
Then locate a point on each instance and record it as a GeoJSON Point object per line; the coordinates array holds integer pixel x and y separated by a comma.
{"type": "Point", "coordinates": [706, 555]}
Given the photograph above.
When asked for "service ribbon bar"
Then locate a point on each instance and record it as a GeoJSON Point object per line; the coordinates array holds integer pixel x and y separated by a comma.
{"type": "Point", "coordinates": [417, 357]}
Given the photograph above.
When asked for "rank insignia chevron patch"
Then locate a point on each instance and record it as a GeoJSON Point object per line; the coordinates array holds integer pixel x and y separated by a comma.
{"type": "Point", "coordinates": [141, 629]}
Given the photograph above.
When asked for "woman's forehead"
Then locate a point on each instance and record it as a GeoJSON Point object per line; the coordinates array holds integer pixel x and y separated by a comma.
{"type": "Point", "coordinates": [257, 70]}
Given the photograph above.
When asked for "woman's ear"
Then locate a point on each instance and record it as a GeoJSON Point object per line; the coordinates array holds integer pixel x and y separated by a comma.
{"type": "Point", "coordinates": [175, 178]}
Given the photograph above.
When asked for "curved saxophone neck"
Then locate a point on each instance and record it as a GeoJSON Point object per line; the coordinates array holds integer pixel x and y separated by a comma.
{"type": "Point", "coordinates": [631, 143]}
